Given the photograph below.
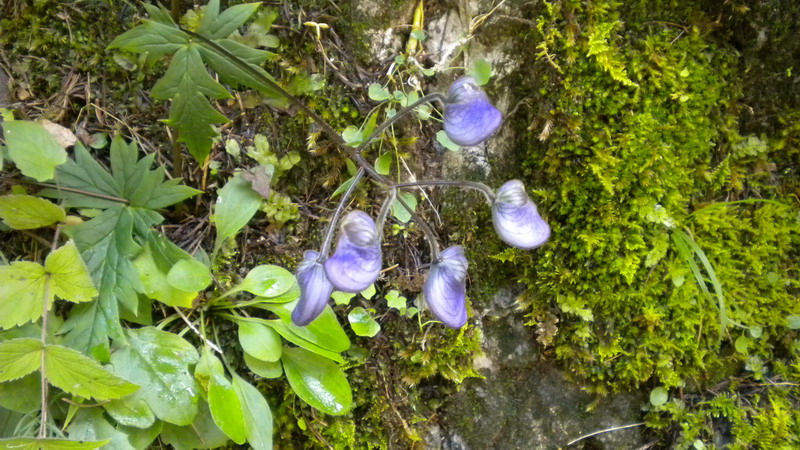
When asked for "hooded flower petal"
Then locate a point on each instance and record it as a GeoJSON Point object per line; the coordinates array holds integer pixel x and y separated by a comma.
{"type": "Point", "coordinates": [315, 289]}
{"type": "Point", "coordinates": [516, 218]}
{"type": "Point", "coordinates": [469, 117]}
{"type": "Point", "coordinates": [356, 263]}
{"type": "Point", "coordinates": [445, 288]}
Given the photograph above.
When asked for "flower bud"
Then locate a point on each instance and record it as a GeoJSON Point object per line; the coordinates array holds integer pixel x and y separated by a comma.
{"type": "Point", "coordinates": [469, 117]}
{"type": "Point", "coordinates": [356, 263]}
{"type": "Point", "coordinates": [315, 289]}
{"type": "Point", "coordinates": [445, 288]}
{"type": "Point", "coordinates": [516, 218]}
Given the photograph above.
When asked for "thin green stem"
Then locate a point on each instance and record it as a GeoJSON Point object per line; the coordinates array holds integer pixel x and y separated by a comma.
{"type": "Point", "coordinates": [43, 337]}
{"type": "Point", "coordinates": [326, 243]}
{"type": "Point", "coordinates": [436, 96]}
{"type": "Point", "coordinates": [486, 190]}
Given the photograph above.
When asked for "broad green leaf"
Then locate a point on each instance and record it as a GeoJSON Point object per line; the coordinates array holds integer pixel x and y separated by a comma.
{"type": "Point", "coordinates": [383, 164]}
{"type": "Point", "coordinates": [262, 368]}
{"type": "Point", "coordinates": [236, 204]}
{"type": "Point", "coordinates": [131, 411]}
{"type": "Point", "coordinates": [9, 421]}
{"type": "Point", "coordinates": [481, 71]}
{"type": "Point", "coordinates": [659, 396]}
{"type": "Point", "coordinates": [187, 83]}
{"type": "Point", "coordinates": [288, 334]}
{"type": "Point", "coordinates": [189, 275]}
{"type": "Point", "coordinates": [19, 357]}
{"type": "Point", "coordinates": [80, 375]}
{"type": "Point", "coordinates": [33, 149]}
{"type": "Point", "coordinates": [318, 381]}
{"type": "Point", "coordinates": [352, 136]}
{"type": "Point", "coordinates": [155, 282]}
{"type": "Point", "coordinates": [399, 211]}
{"type": "Point", "coordinates": [324, 331]}
{"type": "Point", "coordinates": [24, 443]}
{"type": "Point", "coordinates": [292, 294]}
{"type": "Point", "coordinates": [90, 425]}
{"type": "Point", "coordinates": [159, 362]}
{"type": "Point", "coordinates": [22, 293]}
{"type": "Point", "coordinates": [230, 20]}
{"type": "Point", "coordinates": [69, 276]}
{"type": "Point", "coordinates": [342, 298]}
{"type": "Point", "coordinates": [154, 38]}
{"type": "Point", "coordinates": [362, 323]}
{"type": "Point", "coordinates": [369, 292]}
{"type": "Point", "coordinates": [24, 212]}
{"type": "Point", "coordinates": [257, 415]}
{"type": "Point", "coordinates": [23, 394]}
{"type": "Point", "coordinates": [222, 399]}
{"type": "Point", "coordinates": [378, 93]}
{"type": "Point", "coordinates": [259, 341]}
{"type": "Point", "coordinates": [236, 76]}
{"type": "Point", "coordinates": [443, 139]}
{"type": "Point", "coordinates": [267, 281]}
{"type": "Point", "coordinates": [202, 433]}
{"type": "Point", "coordinates": [142, 437]}
{"type": "Point", "coordinates": [395, 300]}
{"type": "Point", "coordinates": [793, 322]}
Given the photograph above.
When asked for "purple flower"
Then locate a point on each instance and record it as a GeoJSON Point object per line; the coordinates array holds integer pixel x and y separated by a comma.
{"type": "Point", "coordinates": [516, 219]}
{"type": "Point", "coordinates": [356, 263]}
{"type": "Point", "coordinates": [469, 118]}
{"type": "Point", "coordinates": [445, 289]}
{"type": "Point", "coordinates": [315, 289]}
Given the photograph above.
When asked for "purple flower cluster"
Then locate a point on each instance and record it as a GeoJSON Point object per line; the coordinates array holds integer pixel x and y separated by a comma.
{"type": "Point", "coordinates": [469, 119]}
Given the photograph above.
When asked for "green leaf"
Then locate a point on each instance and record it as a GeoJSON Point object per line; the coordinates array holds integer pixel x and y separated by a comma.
{"type": "Point", "coordinates": [659, 396]}
{"type": "Point", "coordinates": [318, 381]}
{"type": "Point", "coordinates": [189, 275]}
{"type": "Point", "coordinates": [342, 188]}
{"type": "Point", "coordinates": [154, 38]}
{"type": "Point", "coordinates": [79, 375]}
{"type": "Point", "coordinates": [257, 415]}
{"type": "Point", "coordinates": [142, 437]}
{"type": "Point", "coordinates": [202, 433]}
{"type": "Point", "coordinates": [395, 300]}
{"type": "Point", "coordinates": [156, 285]}
{"type": "Point", "coordinates": [90, 424]}
{"type": "Point", "coordinates": [22, 292]}
{"type": "Point", "coordinates": [352, 136]}
{"type": "Point", "coordinates": [267, 281]}
{"type": "Point", "coordinates": [236, 204]}
{"type": "Point", "coordinates": [24, 443]}
{"type": "Point", "coordinates": [24, 212]}
{"type": "Point", "coordinates": [222, 399]}
{"type": "Point", "coordinates": [793, 322]}
{"type": "Point", "coordinates": [23, 394]}
{"type": "Point", "coordinates": [378, 93]}
{"type": "Point", "coordinates": [261, 368]}
{"type": "Point", "coordinates": [399, 211]}
{"type": "Point", "coordinates": [443, 139]}
{"type": "Point", "coordinates": [259, 341]}
{"type": "Point", "coordinates": [287, 333]}
{"type": "Point", "coordinates": [419, 35]}
{"type": "Point", "coordinates": [342, 298]}
{"type": "Point", "coordinates": [230, 20]}
{"type": "Point", "coordinates": [383, 164]}
{"type": "Point", "coordinates": [236, 76]}
{"type": "Point", "coordinates": [742, 344]}
{"type": "Point", "coordinates": [481, 71]}
{"type": "Point", "coordinates": [19, 357]}
{"type": "Point", "coordinates": [362, 323]}
{"type": "Point", "coordinates": [33, 149]}
{"type": "Point", "coordinates": [369, 292]}
{"type": "Point", "coordinates": [131, 411]}
{"type": "Point", "coordinates": [70, 279]}
{"type": "Point", "coordinates": [159, 362]}
{"type": "Point", "coordinates": [324, 331]}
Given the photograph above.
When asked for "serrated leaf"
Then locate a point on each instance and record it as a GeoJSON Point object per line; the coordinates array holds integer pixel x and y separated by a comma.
{"type": "Point", "coordinates": [187, 83]}
{"type": "Point", "coordinates": [69, 277]}
{"type": "Point", "coordinates": [230, 20]}
{"type": "Point", "coordinates": [152, 37]}
{"type": "Point", "coordinates": [222, 399]}
{"type": "Point", "coordinates": [362, 323]}
{"type": "Point", "coordinates": [19, 357]}
{"type": "Point", "coordinates": [260, 341]}
{"type": "Point", "coordinates": [33, 149]}
{"type": "Point", "coordinates": [50, 444]}
{"type": "Point", "coordinates": [318, 381]}
{"type": "Point", "coordinates": [236, 76]}
{"type": "Point", "coordinates": [159, 362]}
{"type": "Point", "coordinates": [80, 375]}
{"type": "Point", "coordinates": [236, 204]}
{"type": "Point", "coordinates": [22, 293]}
{"type": "Point", "coordinates": [25, 212]}
{"type": "Point", "coordinates": [257, 415]}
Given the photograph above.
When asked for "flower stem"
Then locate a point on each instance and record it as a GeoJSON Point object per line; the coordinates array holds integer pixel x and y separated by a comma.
{"type": "Point", "coordinates": [326, 243]}
{"type": "Point", "coordinates": [486, 190]}
{"type": "Point", "coordinates": [42, 368]}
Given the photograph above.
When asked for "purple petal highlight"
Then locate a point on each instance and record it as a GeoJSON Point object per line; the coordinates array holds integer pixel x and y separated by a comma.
{"type": "Point", "coordinates": [516, 219]}
{"type": "Point", "coordinates": [469, 117]}
{"type": "Point", "coordinates": [445, 288]}
{"type": "Point", "coordinates": [315, 289]}
{"type": "Point", "coordinates": [356, 263]}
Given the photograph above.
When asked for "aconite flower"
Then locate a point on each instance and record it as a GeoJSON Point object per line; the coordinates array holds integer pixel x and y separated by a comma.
{"type": "Point", "coordinates": [469, 117]}
{"type": "Point", "coordinates": [356, 263]}
{"type": "Point", "coordinates": [516, 218]}
{"type": "Point", "coordinates": [315, 289]}
{"type": "Point", "coordinates": [445, 288]}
